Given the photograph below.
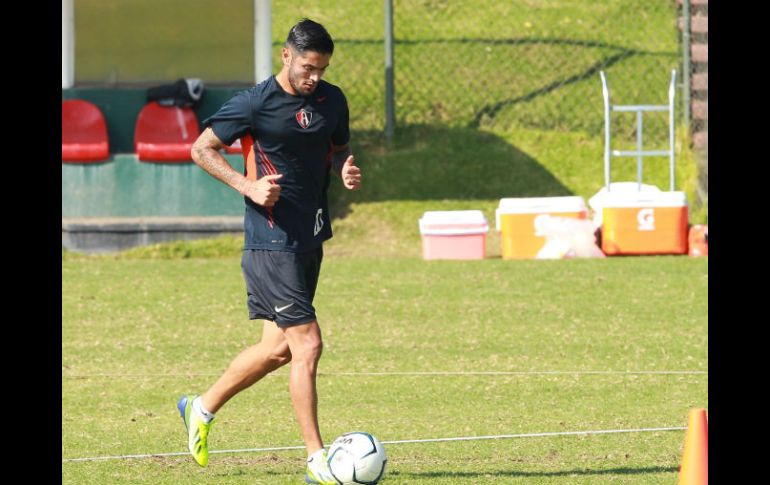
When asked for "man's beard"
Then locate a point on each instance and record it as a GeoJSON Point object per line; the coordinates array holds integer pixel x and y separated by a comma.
{"type": "Point", "coordinates": [298, 88]}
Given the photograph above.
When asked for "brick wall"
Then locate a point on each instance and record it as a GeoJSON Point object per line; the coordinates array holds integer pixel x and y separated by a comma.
{"type": "Point", "coordinates": [699, 77]}
{"type": "Point", "coordinates": [699, 90]}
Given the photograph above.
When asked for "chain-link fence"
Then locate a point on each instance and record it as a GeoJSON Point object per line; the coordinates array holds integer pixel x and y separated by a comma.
{"type": "Point", "coordinates": [507, 65]}
{"type": "Point", "coordinates": [533, 64]}
{"type": "Point", "coordinates": [473, 63]}
{"type": "Point", "coordinates": [502, 64]}
{"type": "Point", "coordinates": [358, 60]}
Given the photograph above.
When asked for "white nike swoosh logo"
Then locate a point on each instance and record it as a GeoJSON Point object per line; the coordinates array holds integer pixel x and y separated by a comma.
{"type": "Point", "coordinates": [279, 310]}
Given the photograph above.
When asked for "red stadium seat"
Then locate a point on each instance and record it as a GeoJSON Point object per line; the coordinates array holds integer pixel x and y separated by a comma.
{"type": "Point", "coordinates": [83, 133]}
{"type": "Point", "coordinates": [234, 148]}
{"type": "Point", "coordinates": [165, 133]}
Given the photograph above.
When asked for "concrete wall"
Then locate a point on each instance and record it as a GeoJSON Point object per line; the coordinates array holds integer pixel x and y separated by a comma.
{"type": "Point", "coordinates": [99, 235]}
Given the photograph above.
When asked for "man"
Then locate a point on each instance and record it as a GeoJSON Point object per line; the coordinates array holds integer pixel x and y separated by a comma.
{"type": "Point", "coordinates": [294, 130]}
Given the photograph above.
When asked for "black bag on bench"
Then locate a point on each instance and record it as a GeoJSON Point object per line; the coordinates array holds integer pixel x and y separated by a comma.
{"type": "Point", "coordinates": [183, 93]}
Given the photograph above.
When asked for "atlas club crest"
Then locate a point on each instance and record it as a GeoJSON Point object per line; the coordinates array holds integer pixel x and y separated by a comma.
{"type": "Point", "coordinates": [304, 117]}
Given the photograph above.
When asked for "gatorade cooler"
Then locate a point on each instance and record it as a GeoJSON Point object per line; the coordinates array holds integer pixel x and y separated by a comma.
{"type": "Point", "coordinates": [644, 223]}
{"type": "Point", "coordinates": [515, 220]}
{"type": "Point", "coordinates": [453, 234]}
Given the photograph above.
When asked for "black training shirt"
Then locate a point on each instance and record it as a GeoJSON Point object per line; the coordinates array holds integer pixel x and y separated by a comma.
{"type": "Point", "coordinates": [292, 136]}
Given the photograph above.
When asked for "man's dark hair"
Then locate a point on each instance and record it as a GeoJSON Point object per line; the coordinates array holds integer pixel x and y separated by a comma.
{"type": "Point", "coordinates": [310, 36]}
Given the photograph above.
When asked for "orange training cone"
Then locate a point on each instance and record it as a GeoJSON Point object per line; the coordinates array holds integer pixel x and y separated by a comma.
{"type": "Point", "coordinates": [695, 461]}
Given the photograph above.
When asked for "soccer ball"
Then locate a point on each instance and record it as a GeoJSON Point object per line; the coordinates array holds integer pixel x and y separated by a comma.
{"type": "Point", "coordinates": [357, 458]}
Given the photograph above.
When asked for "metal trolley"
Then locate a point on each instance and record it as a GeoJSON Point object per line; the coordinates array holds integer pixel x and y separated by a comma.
{"type": "Point", "coordinates": [639, 153]}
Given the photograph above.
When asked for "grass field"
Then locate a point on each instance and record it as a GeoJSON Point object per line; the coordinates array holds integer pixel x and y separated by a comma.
{"type": "Point", "coordinates": [137, 333]}
{"type": "Point", "coordinates": [413, 349]}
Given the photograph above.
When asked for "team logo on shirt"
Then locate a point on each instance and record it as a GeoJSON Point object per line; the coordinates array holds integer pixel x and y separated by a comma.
{"type": "Point", "coordinates": [304, 117]}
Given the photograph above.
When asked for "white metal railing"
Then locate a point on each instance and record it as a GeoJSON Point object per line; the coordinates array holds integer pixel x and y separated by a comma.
{"type": "Point", "coordinates": [639, 153]}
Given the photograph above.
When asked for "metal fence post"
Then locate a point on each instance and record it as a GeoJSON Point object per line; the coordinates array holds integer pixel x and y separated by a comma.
{"type": "Point", "coordinates": [390, 120]}
{"type": "Point", "coordinates": [263, 40]}
{"type": "Point", "coordinates": [686, 62]}
{"type": "Point", "coordinates": [67, 44]}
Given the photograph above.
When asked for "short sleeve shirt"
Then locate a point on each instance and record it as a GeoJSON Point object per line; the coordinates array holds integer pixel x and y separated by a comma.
{"type": "Point", "coordinates": [292, 136]}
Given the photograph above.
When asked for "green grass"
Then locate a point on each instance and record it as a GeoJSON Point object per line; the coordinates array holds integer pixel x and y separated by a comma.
{"type": "Point", "coordinates": [445, 168]}
{"type": "Point", "coordinates": [502, 64]}
{"type": "Point", "coordinates": [432, 167]}
{"type": "Point", "coordinates": [517, 113]}
{"type": "Point", "coordinates": [128, 327]}
{"type": "Point", "coordinates": [506, 63]}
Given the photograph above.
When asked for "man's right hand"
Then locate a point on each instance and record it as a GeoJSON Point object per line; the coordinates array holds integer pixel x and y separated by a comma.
{"type": "Point", "coordinates": [264, 191]}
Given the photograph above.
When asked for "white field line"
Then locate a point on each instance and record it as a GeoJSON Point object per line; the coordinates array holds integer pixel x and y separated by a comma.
{"type": "Point", "coordinates": [394, 442]}
{"type": "Point", "coordinates": [413, 374]}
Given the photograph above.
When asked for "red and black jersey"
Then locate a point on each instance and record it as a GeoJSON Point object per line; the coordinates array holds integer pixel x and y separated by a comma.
{"type": "Point", "coordinates": [289, 135]}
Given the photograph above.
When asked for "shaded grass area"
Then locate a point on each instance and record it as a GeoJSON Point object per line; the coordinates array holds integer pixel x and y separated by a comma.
{"type": "Point", "coordinates": [432, 164]}
{"type": "Point", "coordinates": [443, 168]}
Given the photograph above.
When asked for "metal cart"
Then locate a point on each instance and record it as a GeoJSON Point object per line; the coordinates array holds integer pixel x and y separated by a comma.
{"type": "Point", "coordinates": [639, 153]}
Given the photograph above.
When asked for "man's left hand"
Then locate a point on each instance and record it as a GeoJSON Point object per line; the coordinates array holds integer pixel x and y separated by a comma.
{"type": "Point", "coordinates": [351, 174]}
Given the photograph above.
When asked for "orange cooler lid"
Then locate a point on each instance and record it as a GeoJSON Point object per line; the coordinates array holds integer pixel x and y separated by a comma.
{"type": "Point", "coordinates": [538, 205]}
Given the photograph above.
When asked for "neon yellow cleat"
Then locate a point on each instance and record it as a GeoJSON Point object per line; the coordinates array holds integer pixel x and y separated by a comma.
{"type": "Point", "coordinates": [197, 430]}
{"type": "Point", "coordinates": [317, 471]}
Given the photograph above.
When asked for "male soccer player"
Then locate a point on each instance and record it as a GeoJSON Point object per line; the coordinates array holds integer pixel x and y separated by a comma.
{"type": "Point", "coordinates": [294, 131]}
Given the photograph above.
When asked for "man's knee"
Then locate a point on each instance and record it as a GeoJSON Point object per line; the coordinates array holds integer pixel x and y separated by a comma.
{"type": "Point", "coordinates": [308, 345]}
{"type": "Point", "coordinates": [280, 356]}
{"type": "Point", "coordinates": [311, 348]}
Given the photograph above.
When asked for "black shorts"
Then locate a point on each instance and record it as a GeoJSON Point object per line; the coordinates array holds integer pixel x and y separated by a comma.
{"type": "Point", "coordinates": [280, 285]}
